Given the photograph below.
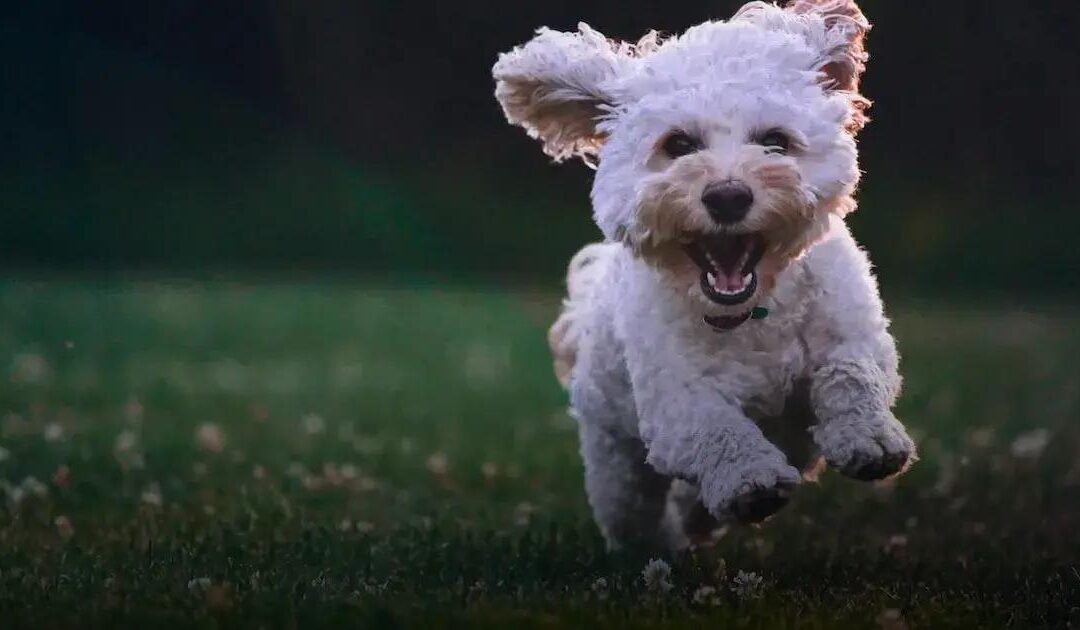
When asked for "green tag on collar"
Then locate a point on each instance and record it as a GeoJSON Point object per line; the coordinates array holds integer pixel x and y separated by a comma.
{"type": "Point", "coordinates": [759, 312]}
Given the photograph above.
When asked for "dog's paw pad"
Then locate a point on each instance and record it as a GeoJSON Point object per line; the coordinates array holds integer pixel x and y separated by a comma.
{"type": "Point", "coordinates": [867, 449]}
{"type": "Point", "coordinates": [887, 466]}
{"type": "Point", "coordinates": [757, 505]}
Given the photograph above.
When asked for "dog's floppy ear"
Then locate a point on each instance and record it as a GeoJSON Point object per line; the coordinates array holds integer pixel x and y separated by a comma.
{"type": "Point", "coordinates": [837, 29]}
{"type": "Point", "coordinates": [846, 28]}
{"type": "Point", "coordinates": [553, 86]}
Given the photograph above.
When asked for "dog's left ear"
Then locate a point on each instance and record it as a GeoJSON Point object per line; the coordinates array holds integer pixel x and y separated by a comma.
{"type": "Point", "coordinates": [846, 28]}
{"type": "Point", "coordinates": [837, 28]}
{"type": "Point", "coordinates": [554, 87]}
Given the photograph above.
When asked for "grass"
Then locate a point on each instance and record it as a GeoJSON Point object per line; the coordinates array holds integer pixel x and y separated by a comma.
{"type": "Point", "coordinates": [303, 455]}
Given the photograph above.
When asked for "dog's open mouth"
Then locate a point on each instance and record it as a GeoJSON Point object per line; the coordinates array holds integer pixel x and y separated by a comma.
{"type": "Point", "coordinates": [728, 265]}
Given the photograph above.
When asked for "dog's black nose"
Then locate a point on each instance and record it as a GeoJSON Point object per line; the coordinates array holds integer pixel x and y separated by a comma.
{"type": "Point", "coordinates": [728, 202]}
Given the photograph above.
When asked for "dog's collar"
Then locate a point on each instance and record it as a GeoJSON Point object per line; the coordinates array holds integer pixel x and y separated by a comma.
{"type": "Point", "coordinates": [725, 323]}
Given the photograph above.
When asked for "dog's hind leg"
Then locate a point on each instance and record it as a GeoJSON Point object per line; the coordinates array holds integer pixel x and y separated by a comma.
{"type": "Point", "coordinates": [628, 498]}
{"type": "Point", "coordinates": [688, 515]}
{"type": "Point", "coordinates": [586, 270]}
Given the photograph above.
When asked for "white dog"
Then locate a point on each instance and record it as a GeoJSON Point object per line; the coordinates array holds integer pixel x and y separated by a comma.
{"type": "Point", "coordinates": [729, 292]}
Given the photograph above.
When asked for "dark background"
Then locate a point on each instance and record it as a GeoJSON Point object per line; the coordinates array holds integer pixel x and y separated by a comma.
{"type": "Point", "coordinates": [362, 138]}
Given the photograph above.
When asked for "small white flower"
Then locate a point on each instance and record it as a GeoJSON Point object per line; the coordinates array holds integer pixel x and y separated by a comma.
{"type": "Point", "coordinates": [126, 451]}
{"type": "Point", "coordinates": [15, 494]}
{"type": "Point", "coordinates": [438, 464]}
{"type": "Point", "coordinates": [1030, 445]}
{"type": "Point", "coordinates": [330, 474]}
{"type": "Point", "coordinates": [896, 543]}
{"type": "Point", "coordinates": [707, 596]}
{"type": "Point", "coordinates": [54, 432]}
{"type": "Point", "coordinates": [210, 438]}
{"type": "Point", "coordinates": [600, 588]}
{"type": "Point", "coordinates": [656, 576]}
{"type": "Point", "coordinates": [151, 495]}
{"type": "Point", "coordinates": [313, 424]}
{"type": "Point", "coordinates": [366, 484]}
{"type": "Point", "coordinates": [523, 513]}
{"type": "Point", "coordinates": [64, 527]}
{"type": "Point", "coordinates": [891, 619]}
{"type": "Point", "coordinates": [125, 442]}
{"type": "Point", "coordinates": [32, 486]}
{"type": "Point", "coordinates": [748, 585]}
{"type": "Point", "coordinates": [199, 585]}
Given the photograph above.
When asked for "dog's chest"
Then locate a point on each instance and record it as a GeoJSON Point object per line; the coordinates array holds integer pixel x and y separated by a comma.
{"type": "Point", "coordinates": [759, 362]}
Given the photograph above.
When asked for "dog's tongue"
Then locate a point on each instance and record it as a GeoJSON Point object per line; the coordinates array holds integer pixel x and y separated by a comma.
{"type": "Point", "coordinates": [730, 283]}
{"type": "Point", "coordinates": [729, 258]}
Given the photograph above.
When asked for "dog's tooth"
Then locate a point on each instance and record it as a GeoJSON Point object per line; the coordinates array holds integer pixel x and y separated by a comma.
{"type": "Point", "coordinates": [711, 278]}
{"type": "Point", "coordinates": [748, 277]}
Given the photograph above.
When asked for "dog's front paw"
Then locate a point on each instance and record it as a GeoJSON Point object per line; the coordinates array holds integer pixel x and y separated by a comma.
{"type": "Point", "coordinates": [867, 449]}
{"type": "Point", "coordinates": [751, 491]}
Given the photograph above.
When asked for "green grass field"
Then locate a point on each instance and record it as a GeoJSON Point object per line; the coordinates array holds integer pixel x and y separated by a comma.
{"type": "Point", "coordinates": [273, 454]}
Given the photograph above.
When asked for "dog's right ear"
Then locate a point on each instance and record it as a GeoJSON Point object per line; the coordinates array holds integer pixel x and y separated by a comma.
{"type": "Point", "coordinates": [554, 87]}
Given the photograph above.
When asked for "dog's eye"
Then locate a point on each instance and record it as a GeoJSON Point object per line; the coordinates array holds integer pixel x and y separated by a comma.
{"type": "Point", "coordinates": [775, 139]}
{"type": "Point", "coordinates": [679, 144]}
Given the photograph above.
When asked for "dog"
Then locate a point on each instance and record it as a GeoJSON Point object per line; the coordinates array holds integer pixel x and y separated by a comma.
{"type": "Point", "coordinates": [728, 295]}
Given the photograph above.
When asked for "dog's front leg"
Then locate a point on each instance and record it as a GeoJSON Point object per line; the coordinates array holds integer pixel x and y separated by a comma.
{"type": "Point", "coordinates": [693, 432]}
{"type": "Point", "coordinates": [854, 377]}
{"type": "Point", "coordinates": [857, 432]}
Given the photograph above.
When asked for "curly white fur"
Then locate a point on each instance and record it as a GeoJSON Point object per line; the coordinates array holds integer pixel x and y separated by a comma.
{"type": "Point", "coordinates": [659, 394]}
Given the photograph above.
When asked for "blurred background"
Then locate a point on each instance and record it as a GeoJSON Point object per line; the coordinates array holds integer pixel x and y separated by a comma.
{"type": "Point", "coordinates": [361, 138]}
{"type": "Point", "coordinates": [274, 280]}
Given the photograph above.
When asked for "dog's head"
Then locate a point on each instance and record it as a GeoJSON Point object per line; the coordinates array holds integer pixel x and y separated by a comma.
{"type": "Point", "coordinates": [720, 153]}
